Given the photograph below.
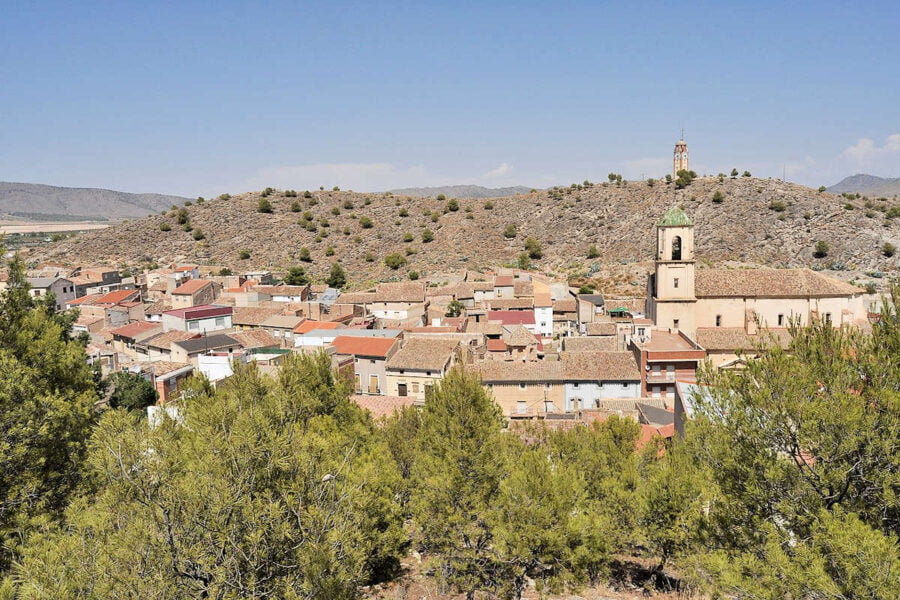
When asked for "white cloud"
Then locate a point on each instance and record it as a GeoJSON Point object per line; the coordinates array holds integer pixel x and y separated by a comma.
{"type": "Point", "coordinates": [502, 170]}
{"type": "Point", "coordinates": [866, 155]}
{"type": "Point", "coordinates": [363, 177]}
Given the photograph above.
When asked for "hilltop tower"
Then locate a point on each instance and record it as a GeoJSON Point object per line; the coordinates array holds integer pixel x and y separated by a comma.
{"type": "Point", "coordinates": [671, 296]}
{"type": "Point", "coordinates": [680, 158]}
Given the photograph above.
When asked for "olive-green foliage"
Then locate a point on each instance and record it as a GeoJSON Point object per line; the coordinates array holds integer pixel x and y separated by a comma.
{"type": "Point", "coordinates": [265, 489]}
{"type": "Point", "coordinates": [593, 252]}
{"type": "Point", "coordinates": [365, 223]}
{"type": "Point", "coordinates": [130, 391]}
{"type": "Point", "coordinates": [454, 308]}
{"type": "Point", "coordinates": [534, 248]}
{"type": "Point", "coordinates": [802, 448]}
{"type": "Point", "coordinates": [337, 278]}
{"type": "Point", "coordinates": [684, 178]}
{"type": "Point", "coordinates": [394, 260]}
{"type": "Point", "coordinates": [264, 206]}
{"type": "Point", "coordinates": [821, 250]}
{"type": "Point", "coordinates": [456, 476]}
{"type": "Point", "coordinates": [305, 255]}
{"type": "Point", "coordinates": [510, 231]}
{"type": "Point", "coordinates": [296, 276]}
{"type": "Point", "coordinates": [47, 392]}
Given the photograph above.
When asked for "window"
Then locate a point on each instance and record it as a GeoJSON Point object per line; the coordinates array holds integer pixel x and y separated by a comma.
{"type": "Point", "coordinates": [828, 317]}
{"type": "Point", "coordinates": [780, 320]}
{"type": "Point", "coordinates": [575, 385]}
{"type": "Point", "coordinates": [675, 323]}
{"type": "Point", "coordinates": [401, 389]}
{"type": "Point", "coordinates": [641, 331]}
{"type": "Point", "coordinates": [415, 387]}
{"type": "Point", "coordinates": [546, 386]}
{"type": "Point", "coordinates": [521, 407]}
{"type": "Point", "coordinates": [657, 369]}
{"type": "Point", "coordinates": [676, 248]}
{"type": "Point", "coordinates": [548, 406]}
{"type": "Point", "coordinates": [358, 383]}
{"type": "Point", "coordinates": [719, 321]}
{"type": "Point", "coordinates": [372, 361]}
{"type": "Point", "coordinates": [522, 386]}
{"type": "Point", "coordinates": [654, 392]}
{"type": "Point", "coordinates": [675, 283]}
{"type": "Point", "coordinates": [193, 325]}
{"type": "Point", "coordinates": [220, 321]}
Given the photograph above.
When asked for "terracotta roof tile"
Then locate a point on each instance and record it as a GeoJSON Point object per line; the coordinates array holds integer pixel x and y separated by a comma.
{"type": "Point", "coordinates": [601, 328]}
{"type": "Point", "coordinates": [363, 346]}
{"type": "Point", "coordinates": [252, 316]}
{"type": "Point", "coordinates": [604, 343]}
{"type": "Point", "coordinates": [769, 283]}
{"type": "Point", "coordinates": [136, 329]}
{"type": "Point", "coordinates": [382, 406]}
{"type": "Point", "coordinates": [503, 371]}
{"type": "Point", "coordinates": [191, 287]}
{"type": "Point", "coordinates": [600, 366]}
{"type": "Point", "coordinates": [423, 354]}
{"type": "Point", "coordinates": [310, 325]}
{"type": "Point", "coordinates": [736, 338]}
{"type": "Point", "coordinates": [401, 291]}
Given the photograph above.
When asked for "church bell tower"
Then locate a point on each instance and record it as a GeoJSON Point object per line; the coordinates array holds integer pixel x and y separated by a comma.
{"type": "Point", "coordinates": [680, 158]}
{"type": "Point", "coordinates": [673, 303]}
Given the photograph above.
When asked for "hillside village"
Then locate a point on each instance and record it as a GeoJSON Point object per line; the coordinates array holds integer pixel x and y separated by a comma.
{"type": "Point", "coordinates": [543, 349]}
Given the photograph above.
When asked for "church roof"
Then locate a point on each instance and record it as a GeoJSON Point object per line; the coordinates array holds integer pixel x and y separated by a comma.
{"type": "Point", "coordinates": [769, 283]}
{"type": "Point", "coordinates": [674, 217]}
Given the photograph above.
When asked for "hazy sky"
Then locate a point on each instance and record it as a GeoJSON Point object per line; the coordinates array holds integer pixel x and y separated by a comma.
{"type": "Point", "coordinates": [198, 98]}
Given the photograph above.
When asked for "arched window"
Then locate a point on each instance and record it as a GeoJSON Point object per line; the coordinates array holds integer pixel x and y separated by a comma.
{"type": "Point", "coordinates": [676, 248]}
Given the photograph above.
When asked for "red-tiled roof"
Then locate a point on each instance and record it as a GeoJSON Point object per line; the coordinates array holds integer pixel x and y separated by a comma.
{"type": "Point", "coordinates": [116, 297]}
{"type": "Point", "coordinates": [383, 406]}
{"type": "Point", "coordinates": [309, 325]}
{"type": "Point", "coordinates": [200, 312]}
{"type": "Point", "coordinates": [185, 268]}
{"type": "Point", "coordinates": [496, 346]}
{"type": "Point", "coordinates": [504, 281]}
{"type": "Point", "coordinates": [512, 317]}
{"type": "Point", "coordinates": [89, 299]}
{"type": "Point", "coordinates": [191, 287]}
{"type": "Point", "coordinates": [363, 346]}
{"type": "Point", "coordinates": [133, 330]}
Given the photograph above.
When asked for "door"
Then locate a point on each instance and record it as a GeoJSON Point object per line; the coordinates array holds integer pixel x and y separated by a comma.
{"type": "Point", "coordinates": [373, 384]}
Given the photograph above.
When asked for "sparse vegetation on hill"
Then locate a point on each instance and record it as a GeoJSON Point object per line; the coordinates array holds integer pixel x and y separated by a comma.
{"type": "Point", "coordinates": [617, 220]}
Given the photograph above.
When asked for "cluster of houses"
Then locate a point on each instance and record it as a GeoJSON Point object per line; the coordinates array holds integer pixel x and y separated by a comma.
{"type": "Point", "coordinates": [541, 349]}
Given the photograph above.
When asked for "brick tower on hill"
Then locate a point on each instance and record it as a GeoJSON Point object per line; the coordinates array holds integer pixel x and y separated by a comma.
{"type": "Point", "coordinates": [680, 159]}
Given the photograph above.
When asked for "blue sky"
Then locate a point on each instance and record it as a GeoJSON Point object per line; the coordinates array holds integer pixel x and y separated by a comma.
{"type": "Point", "coordinates": [199, 98]}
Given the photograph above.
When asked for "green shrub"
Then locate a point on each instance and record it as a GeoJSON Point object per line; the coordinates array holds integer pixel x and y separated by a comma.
{"type": "Point", "coordinates": [165, 227]}
{"type": "Point", "coordinates": [413, 275]}
{"type": "Point", "coordinates": [822, 188]}
{"type": "Point", "coordinates": [198, 235]}
{"type": "Point", "coordinates": [510, 231]}
{"type": "Point", "coordinates": [366, 223]}
{"type": "Point", "coordinates": [394, 260]}
{"type": "Point", "coordinates": [427, 236]}
{"type": "Point", "coordinates": [244, 254]}
{"type": "Point", "coordinates": [295, 207]}
{"type": "Point", "coordinates": [404, 212]}
{"type": "Point", "coordinates": [718, 197]}
{"type": "Point", "coordinates": [777, 206]}
{"type": "Point", "coordinates": [329, 251]}
{"type": "Point", "coordinates": [593, 252]}
{"type": "Point", "coordinates": [488, 205]}
{"type": "Point", "coordinates": [305, 255]}
{"type": "Point", "coordinates": [264, 206]}
{"type": "Point", "coordinates": [307, 194]}
{"type": "Point", "coordinates": [888, 249]}
{"type": "Point", "coordinates": [408, 237]}
{"type": "Point", "coordinates": [452, 205]}
{"type": "Point", "coordinates": [821, 250]}
{"type": "Point", "coordinates": [533, 248]}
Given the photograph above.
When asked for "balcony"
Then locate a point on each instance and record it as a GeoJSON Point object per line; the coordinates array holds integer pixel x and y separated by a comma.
{"type": "Point", "coordinates": [662, 377]}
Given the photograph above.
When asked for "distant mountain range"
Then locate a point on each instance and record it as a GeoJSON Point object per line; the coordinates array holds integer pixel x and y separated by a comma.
{"type": "Point", "coordinates": [463, 191]}
{"type": "Point", "coordinates": [867, 185]}
{"type": "Point", "coordinates": [35, 202]}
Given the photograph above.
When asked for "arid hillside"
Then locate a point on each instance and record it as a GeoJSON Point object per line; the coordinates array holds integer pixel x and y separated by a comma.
{"type": "Point", "coordinates": [755, 221]}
